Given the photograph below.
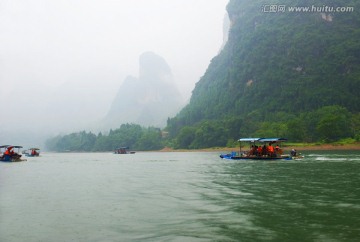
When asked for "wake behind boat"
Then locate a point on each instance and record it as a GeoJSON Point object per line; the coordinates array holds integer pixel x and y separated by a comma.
{"type": "Point", "coordinates": [262, 149]}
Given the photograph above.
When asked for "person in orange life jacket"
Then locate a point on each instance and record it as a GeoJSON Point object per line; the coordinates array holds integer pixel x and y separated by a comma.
{"type": "Point", "coordinates": [278, 150]}
{"type": "Point", "coordinates": [9, 151]}
{"type": "Point", "coordinates": [270, 150]}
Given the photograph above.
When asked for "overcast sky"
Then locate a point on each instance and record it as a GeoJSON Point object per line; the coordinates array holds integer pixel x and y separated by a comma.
{"type": "Point", "coordinates": [62, 61]}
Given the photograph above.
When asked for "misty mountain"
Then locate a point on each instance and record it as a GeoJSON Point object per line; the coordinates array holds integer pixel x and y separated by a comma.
{"type": "Point", "coordinates": [148, 100]}
{"type": "Point", "coordinates": [277, 65]}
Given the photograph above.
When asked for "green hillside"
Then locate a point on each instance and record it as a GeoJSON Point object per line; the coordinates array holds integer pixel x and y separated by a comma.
{"type": "Point", "coordinates": [281, 73]}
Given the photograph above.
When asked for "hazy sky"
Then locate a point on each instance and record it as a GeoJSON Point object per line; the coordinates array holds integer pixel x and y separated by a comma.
{"type": "Point", "coordinates": [62, 61]}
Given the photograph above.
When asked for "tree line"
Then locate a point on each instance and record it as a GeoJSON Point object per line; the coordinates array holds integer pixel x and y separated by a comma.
{"type": "Point", "coordinates": [128, 135]}
{"type": "Point", "coordinates": [324, 125]}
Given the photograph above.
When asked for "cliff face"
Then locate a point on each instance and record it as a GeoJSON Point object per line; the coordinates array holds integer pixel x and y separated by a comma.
{"type": "Point", "coordinates": [148, 100]}
{"type": "Point", "coordinates": [281, 61]}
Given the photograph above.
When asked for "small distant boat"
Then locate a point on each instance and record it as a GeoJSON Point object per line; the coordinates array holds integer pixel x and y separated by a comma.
{"type": "Point", "coordinates": [295, 155]}
{"type": "Point", "coordinates": [9, 155]}
{"type": "Point", "coordinates": [123, 150]}
{"type": "Point", "coordinates": [259, 150]}
{"type": "Point", "coordinates": [32, 152]}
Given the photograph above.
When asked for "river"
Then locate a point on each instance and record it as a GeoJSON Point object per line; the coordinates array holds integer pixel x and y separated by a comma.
{"type": "Point", "coordinates": [180, 196]}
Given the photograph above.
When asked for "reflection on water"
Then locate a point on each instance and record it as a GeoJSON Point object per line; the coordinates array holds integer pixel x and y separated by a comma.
{"type": "Point", "coordinates": [180, 197]}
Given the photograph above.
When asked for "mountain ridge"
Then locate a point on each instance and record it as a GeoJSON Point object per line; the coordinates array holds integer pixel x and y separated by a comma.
{"type": "Point", "coordinates": [278, 64]}
{"type": "Point", "coordinates": [149, 99]}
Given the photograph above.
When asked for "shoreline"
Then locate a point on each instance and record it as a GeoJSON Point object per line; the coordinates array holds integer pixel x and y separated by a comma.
{"type": "Point", "coordinates": [286, 148]}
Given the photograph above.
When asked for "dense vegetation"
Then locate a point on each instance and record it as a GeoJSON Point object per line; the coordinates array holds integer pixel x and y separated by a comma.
{"type": "Point", "coordinates": [280, 74]}
{"type": "Point", "coordinates": [327, 124]}
{"type": "Point", "coordinates": [283, 74]}
{"type": "Point", "coordinates": [130, 135]}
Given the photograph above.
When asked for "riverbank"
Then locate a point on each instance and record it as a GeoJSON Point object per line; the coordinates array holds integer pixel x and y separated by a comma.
{"type": "Point", "coordinates": [300, 147]}
{"type": "Point", "coordinates": [327, 147]}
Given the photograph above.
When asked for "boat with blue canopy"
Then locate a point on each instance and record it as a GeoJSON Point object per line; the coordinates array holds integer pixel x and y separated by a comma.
{"type": "Point", "coordinates": [9, 155]}
{"type": "Point", "coordinates": [261, 149]}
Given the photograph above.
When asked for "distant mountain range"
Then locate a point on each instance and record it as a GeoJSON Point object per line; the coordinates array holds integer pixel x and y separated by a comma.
{"type": "Point", "coordinates": [148, 100]}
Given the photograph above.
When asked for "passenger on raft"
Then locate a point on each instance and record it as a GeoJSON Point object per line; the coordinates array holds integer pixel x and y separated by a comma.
{"type": "Point", "coordinates": [264, 150]}
{"type": "Point", "coordinates": [270, 150]}
{"type": "Point", "coordinates": [278, 150]}
{"type": "Point", "coordinates": [253, 150]}
{"type": "Point", "coordinates": [259, 151]}
{"type": "Point", "coordinates": [9, 151]}
{"type": "Point", "coordinates": [33, 152]}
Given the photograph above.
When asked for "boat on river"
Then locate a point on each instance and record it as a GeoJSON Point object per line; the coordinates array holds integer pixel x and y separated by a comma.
{"type": "Point", "coordinates": [32, 152]}
{"type": "Point", "coordinates": [9, 155]}
{"type": "Point", "coordinates": [262, 149]}
{"type": "Point", "coordinates": [123, 150]}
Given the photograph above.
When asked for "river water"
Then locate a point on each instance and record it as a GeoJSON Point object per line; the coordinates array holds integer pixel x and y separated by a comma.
{"type": "Point", "coordinates": [189, 196]}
